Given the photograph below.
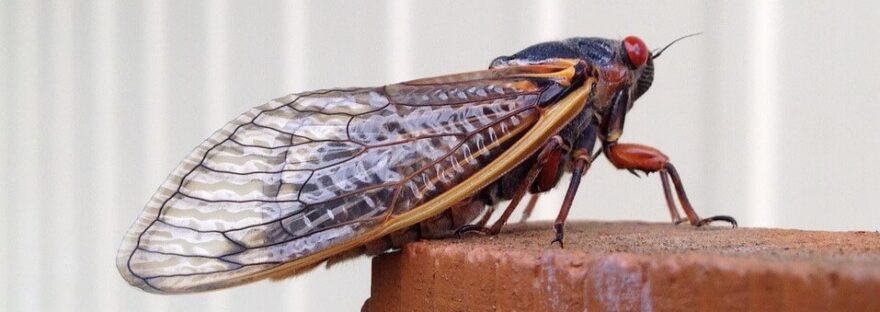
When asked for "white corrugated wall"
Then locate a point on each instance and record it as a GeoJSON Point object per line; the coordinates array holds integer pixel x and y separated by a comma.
{"type": "Point", "coordinates": [771, 116]}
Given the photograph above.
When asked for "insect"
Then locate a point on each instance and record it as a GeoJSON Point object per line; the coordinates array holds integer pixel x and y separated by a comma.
{"type": "Point", "coordinates": [329, 174]}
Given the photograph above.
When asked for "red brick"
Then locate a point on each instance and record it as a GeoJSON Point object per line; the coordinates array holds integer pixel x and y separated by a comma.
{"type": "Point", "coordinates": [628, 266]}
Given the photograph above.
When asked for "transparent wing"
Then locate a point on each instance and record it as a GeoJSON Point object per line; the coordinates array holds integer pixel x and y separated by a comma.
{"type": "Point", "coordinates": [307, 171]}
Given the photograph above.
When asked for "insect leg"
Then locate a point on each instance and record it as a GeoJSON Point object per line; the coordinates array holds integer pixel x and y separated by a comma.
{"type": "Point", "coordinates": [686, 204]}
{"type": "Point", "coordinates": [581, 165]}
{"type": "Point", "coordinates": [649, 159]}
{"type": "Point", "coordinates": [553, 144]}
{"type": "Point", "coordinates": [533, 200]}
{"type": "Point", "coordinates": [670, 202]}
{"type": "Point", "coordinates": [582, 161]}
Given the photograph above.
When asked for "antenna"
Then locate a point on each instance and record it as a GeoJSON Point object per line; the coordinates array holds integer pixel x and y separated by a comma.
{"type": "Point", "coordinates": [656, 54]}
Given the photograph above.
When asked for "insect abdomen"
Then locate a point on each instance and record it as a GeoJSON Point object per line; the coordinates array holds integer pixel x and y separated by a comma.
{"type": "Point", "coordinates": [442, 225]}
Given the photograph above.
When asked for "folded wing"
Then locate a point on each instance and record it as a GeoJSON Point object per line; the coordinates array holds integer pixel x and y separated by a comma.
{"type": "Point", "coordinates": [307, 171]}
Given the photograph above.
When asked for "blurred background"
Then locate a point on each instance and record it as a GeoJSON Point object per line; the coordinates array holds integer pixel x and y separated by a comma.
{"type": "Point", "coordinates": [771, 116]}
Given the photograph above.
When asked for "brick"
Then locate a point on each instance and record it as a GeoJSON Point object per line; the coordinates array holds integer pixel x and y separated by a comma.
{"type": "Point", "coordinates": [631, 266]}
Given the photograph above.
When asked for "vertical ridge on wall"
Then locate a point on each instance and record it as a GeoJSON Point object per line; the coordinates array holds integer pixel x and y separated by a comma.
{"type": "Point", "coordinates": [217, 65]}
{"type": "Point", "coordinates": [105, 159]}
{"type": "Point", "coordinates": [550, 19]}
{"type": "Point", "coordinates": [5, 141]}
{"type": "Point", "coordinates": [400, 55]}
{"type": "Point", "coordinates": [59, 154]}
{"type": "Point", "coordinates": [762, 111]}
{"type": "Point", "coordinates": [155, 137]}
{"type": "Point", "coordinates": [26, 208]}
{"type": "Point", "coordinates": [728, 98]}
{"type": "Point", "coordinates": [294, 45]}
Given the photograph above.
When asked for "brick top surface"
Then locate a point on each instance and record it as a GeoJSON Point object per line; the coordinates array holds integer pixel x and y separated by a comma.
{"type": "Point", "coordinates": [598, 238]}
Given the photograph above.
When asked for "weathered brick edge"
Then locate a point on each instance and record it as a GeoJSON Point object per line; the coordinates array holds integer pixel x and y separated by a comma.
{"type": "Point", "coordinates": [432, 276]}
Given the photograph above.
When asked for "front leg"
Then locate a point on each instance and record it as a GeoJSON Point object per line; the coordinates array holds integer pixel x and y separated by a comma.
{"type": "Point", "coordinates": [648, 159]}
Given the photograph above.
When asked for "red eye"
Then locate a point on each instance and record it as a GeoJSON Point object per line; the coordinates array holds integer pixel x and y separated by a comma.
{"type": "Point", "coordinates": [636, 51]}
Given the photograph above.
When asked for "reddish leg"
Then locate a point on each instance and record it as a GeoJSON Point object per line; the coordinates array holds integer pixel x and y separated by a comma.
{"type": "Point", "coordinates": [649, 159]}
{"type": "Point", "coordinates": [551, 146]}
{"type": "Point", "coordinates": [582, 161]}
{"type": "Point", "coordinates": [581, 165]}
{"type": "Point", "coordinates": [670, 202]}
{"type": "Point", "coordinates": [550, 173]}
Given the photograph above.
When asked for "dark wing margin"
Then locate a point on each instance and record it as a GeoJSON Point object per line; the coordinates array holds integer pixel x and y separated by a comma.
{"type": "Point", "coordinates": [307, 174]}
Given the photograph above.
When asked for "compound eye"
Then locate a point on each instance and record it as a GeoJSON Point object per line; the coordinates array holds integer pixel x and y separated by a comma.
{"type": "Point", "coordinates": [636, 51]}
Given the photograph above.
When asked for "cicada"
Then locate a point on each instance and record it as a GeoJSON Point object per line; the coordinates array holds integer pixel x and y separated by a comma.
{"type": "Point", "coordinates": [323, 175]}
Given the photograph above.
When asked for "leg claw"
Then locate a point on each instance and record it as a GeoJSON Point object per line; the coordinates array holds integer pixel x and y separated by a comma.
{"type": "Point", "coordinates": [558, 240]}
{"type": "Point", "coordinates": [634, 173]}
{"type": "Point", "coordinates": [471, 229]}
{"type": "Point", "coordinates": [559, 236]}
{"type": "Point", "coordinates": [722, 218]}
